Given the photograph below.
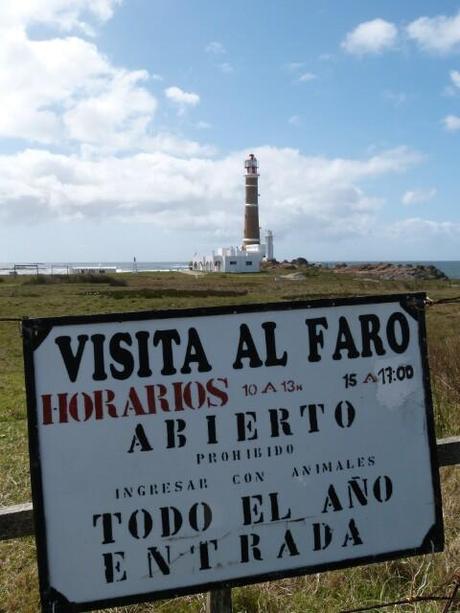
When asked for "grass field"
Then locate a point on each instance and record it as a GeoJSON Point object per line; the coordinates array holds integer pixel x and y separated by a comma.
{"type": "Point", "coordinates": [328, 592]}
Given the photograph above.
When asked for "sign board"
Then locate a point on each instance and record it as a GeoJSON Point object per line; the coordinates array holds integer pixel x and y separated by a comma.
{"type": "Point", "coordinates": [176, 451]}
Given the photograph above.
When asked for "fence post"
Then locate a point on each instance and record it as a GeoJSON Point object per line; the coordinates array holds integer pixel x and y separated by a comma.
{"type": "Point", "coordinates": [219, 601]}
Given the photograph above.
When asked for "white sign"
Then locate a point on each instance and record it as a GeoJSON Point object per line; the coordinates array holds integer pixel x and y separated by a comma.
{"type": "Point", "coordinates": [176, 451]}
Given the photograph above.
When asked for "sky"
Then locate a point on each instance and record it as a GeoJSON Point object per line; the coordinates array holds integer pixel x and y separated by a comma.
{"type": "Point", "coordinates": [124, 126]}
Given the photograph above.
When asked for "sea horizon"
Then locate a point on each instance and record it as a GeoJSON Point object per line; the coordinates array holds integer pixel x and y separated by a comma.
{"type": "Point", "coordinates": [449, 267]}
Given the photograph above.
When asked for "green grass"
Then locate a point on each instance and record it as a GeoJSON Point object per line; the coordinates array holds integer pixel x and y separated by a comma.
{"type": "Point", "coordinates": [328, 592]}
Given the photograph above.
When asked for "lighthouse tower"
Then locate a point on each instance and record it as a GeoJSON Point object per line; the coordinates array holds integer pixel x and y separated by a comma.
{"type": "Point", "coordinates": [249, 256]}
{"type": "Point", "coordinates": [251, 210]}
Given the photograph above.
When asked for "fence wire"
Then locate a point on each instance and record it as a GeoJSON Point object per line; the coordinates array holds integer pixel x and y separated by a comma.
{"type": "Point", "coordinates": [449, 600]}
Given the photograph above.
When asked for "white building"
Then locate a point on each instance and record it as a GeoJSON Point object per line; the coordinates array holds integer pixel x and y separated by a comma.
{"type": "Point", "coordinates": [230, 259]}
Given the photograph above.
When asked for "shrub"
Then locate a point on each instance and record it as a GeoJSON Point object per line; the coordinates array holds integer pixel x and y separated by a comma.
{"type": "Point", "coordinates": [77, 278]}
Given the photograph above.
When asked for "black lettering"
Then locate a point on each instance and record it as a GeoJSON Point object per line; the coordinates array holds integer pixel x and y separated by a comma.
{"type": "Point", "coordinates": [71, 361]}
{"type": "Point", "coordinates": [275, 511]}
{"type": "Point", "coordinates": [252, 513]}
{"type": "Point", "coordinates": [352, 535]}
{"type": "Point", "coordinates": [370, 326]}
{"type": "Point", "coordinates": [289, 544]}
{"type": "Point", "coordinates": [383, 493]}
{"type": "Point", "coordinates": [245, 424]}
{"type": "Point", "coordinates": [99, 373]}
{"type": "Point", "coordinates": [195, 353]}
{"type": "Point", "coordinates": [360, 493]}
{"type": "Point", "coordinates": [401, 345]}
{"type": "Point", "coordinates": [212, 430]}
{"type": "Point", "coordinates": [147, 524]}
{"type": "Point", "coordinates": [166, 338]}
{"type": "Point", "coordinates": [200, 522]}
{"type": "Point", "coordinates": [113, 569]}
{"type": "Point", "coordinates": [345, 341]}
{"type": "Point", "coordinates": [279, 417]}
{"type": "Point", "coordinates": [312, 415]}
{"type": "Point", "coordinates": [153, 554]}
{"type": "Point", "coordinates": [248, 549]}
{"type": "Point", "coordinates": [121, 355]}
{"type": "Point", "coordinates": [315, 337]}
{"type": "Point", "coordinates": [143, 354]}
{"type": "Point", "coordinates": [173, 428]}
{"type": "Point", "coordinates": [322, 536]}
{"type": "Point", "coordinates": [140, 440]}
{"type": "Point", "coordinates": [339, 414]}
{"type": "Point", "coordinates": [246, 350]}
{"type": "Point", "coordinates": [107, 525]}
{"type": "Point", "coordinates": [332, 500]}
{"type": "Point", "coordinates": [272, 359]}
{"type": "Point", "coordinates": [204, 553]}
{"type": "Point", "coordinates": [171, 521]}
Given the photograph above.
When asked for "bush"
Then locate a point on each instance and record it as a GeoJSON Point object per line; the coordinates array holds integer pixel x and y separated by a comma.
{"type": "Point", "coordinates": [77, 278]}
{"type": "Point", "coordinates": [174, 293]}
{"type": "Point", "coordinates": [117, 282]}
{"type": "Point", "coordinates": [40, 280]}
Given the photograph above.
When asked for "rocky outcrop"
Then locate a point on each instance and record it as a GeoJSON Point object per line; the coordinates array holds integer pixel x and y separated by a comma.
{"type": "Point", "coordinates": [375, 271]}
{"type": "Point", "coordinates": [391, 272]}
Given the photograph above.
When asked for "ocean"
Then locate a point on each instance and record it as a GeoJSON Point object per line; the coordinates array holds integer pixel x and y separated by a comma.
{"type": "Point", "coordinates": [58, 268]}
{"type": "Point", "coordinates": [450, 267]}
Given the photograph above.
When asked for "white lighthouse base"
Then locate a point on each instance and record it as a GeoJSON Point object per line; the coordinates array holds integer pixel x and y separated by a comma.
{"type": "Point", "coordinates": [231, 259]}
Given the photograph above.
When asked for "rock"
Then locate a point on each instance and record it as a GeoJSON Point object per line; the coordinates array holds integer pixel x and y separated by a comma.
{"type": "Point", "coordinates": [300, 262]}
{"type": "Point", "coordinates": [294, 276]}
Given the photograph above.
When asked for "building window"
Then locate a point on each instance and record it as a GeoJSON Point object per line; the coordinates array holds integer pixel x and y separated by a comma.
{"type": "Point", "coordinates": [249, 263]}
{"type": "Point", "coordinates": [232, 262]}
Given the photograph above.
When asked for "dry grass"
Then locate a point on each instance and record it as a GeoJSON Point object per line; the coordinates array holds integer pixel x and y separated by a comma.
{"type": "Point", "coordinates": [326, 593]}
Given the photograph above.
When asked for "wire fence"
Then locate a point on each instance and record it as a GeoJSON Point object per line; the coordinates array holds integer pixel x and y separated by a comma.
{"type": "Point", "coordinates": [17, 521]}
{"type": "Point", "coordinates": [450, 600]}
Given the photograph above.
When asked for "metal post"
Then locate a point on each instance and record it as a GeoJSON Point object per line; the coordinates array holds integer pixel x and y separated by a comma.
{"type": "Point", "coordinates": [219, 601]}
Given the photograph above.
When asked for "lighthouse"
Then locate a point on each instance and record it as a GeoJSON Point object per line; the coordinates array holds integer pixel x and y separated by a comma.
{"type": "Point", "coordinates": [249, 256]}
{"type": "Point", "coordinates": [251, 234]}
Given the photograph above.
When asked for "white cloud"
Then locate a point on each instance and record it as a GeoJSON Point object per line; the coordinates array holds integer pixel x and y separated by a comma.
{"type": "Point", "coordinates": [418, 196]}
{"type": "Point", "coordinates": [215, 48]}
{"type": "Point", "coordinates": [180, 97]}
{"type": "Point", "coordinates": [295, 120]}
{"type": "Point", "coordinates": [203, 125]}
{"type": "Point", "coordinates": [64, 14]}
{"type": "Point", "coordinates": [451, 123]}
{"type": "Point", "coordinates": [397, 99]}
{"type": "Point", "coordinates": [420, 230]}
{"type": "Point", "coordinates": [298, 69]}
{"type": "Point", "coordinates": [63, 90]}
{"type": "Point", "coordinates": [371, 37]}
{"type": "Point", "coordinates": [295, 66]}
{"type": "Point", "coordinates": [455, 77]}
{"type": "Point", "coordinates": [226, 68]}
{"type": "Point", "coordinates": [117, 116]}
{"type": "Point", "coordinates": [306, 76]}
{"type": "Point", "coordinates": [320, 196]}
{"type": "Point", "coordinates": [438, 34]}
{"type": "Point", "coordinates": [38, 77]}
